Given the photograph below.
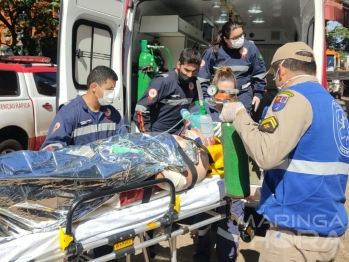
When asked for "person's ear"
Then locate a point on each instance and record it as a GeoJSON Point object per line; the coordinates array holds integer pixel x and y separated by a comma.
{"type": "Point", "coordinates": [94, 87]}
{"type": "Point", "coordinates": [178, 65]}
{"type": "Point", "coordinates": [282, 70]}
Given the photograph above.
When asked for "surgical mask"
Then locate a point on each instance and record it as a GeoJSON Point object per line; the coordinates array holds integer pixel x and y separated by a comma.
{"type": "Point", "coordinates": [277, 71]}
{"type": "Point", "coordinates": [290, 80]}
{"type": "Point", "coordinates": [238, 43]}
{"type": "Point", "coordinates": [184, 79]}
{"type": "Point", "coordinates": [108, 97]}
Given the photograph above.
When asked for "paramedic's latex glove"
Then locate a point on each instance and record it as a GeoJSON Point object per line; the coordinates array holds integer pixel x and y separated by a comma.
{"type": "Point", "coordinates": [256, 101]}
{"type": "Point", "coordinates": [255, 194]}
{"type": "Point", "coordinates": [230, 110]}
{"type": "Point", "coordinates": [217, 129]}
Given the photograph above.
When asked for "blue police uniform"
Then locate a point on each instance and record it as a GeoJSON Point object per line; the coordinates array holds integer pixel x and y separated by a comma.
{"type": "Point", "coordinates": [248, 65]}
{"type": "Point", "coordinates": [307, 191]}
{"type": "Point", "coordinates": [76, 124]}
{"type": "Point", "coordinates": [227, 239]}
{"type": "Point", "coordinates": [159, 108]}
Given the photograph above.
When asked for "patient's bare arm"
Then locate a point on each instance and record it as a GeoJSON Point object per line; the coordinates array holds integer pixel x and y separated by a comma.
{"type": "Point", "coordinates": [184, 180]}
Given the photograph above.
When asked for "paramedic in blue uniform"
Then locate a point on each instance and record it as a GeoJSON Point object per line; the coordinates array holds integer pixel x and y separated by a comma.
{"type": "Point", "coordinates": [90, 117]}
{"type": "Point", "coordinates": [303, 146]}
{"type": "Point", "coordinates": [228, 235]}
{"type": "Point", "coordinates": [159, 108]}
{"type": "Point", "coordinates": [230, 48]}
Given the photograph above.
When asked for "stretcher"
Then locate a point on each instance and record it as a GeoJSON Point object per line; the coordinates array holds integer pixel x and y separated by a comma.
{"type": "Point", "coordinates": [83, 205]}
{"type": "Point", "coordinates": [118, 227]}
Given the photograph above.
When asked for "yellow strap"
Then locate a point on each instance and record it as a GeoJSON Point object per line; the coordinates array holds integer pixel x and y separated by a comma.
{"type": "Point", "coordinates": [177, 206]}
{"type": "Point", "coordinates": [64, 239]}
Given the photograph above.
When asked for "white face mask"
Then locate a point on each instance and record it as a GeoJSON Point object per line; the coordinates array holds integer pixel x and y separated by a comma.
{"type": "Point", "coordinates": [280, 87]}
{"type": "Point", "coordinates": [238, 43]}
{"type": "Point", "coordinates": [108, 97]}
{"type": "Point", "coordinates": [277, 71]}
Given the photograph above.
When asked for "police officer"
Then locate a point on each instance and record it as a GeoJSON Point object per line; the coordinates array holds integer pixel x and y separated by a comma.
{"type": "Point", "coordinates": [90, 117]}
{"type": "Point", "coordinates": [302, 143]}
{"type": "Point", "coordinates": [159, 108]}
{"type": "Point", "coordinates": [230, 48]}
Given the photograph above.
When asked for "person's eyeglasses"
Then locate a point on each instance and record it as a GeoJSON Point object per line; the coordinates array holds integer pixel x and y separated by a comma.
{"type": "Point", "coordinates": [237, 37]}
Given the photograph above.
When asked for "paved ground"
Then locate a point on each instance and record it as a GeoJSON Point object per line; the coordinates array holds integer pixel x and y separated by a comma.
{"type": "Point", "coordinates": [249, 251]}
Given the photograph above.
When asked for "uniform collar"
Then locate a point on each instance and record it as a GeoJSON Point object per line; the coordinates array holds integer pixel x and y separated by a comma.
{"type": "Point", "coordinates": [231, 50]}
{"type": "Point", "coordinates": [303, 80]}
{"type": "Point", "coordinates": [82, 102]}
{"type": "Point", "coordinates": [176, 76]}
{"type": "Point", "coordinates": [85, 107]}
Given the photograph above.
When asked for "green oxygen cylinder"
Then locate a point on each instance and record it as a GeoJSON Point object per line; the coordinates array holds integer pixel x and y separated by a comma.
{"type": "Point", "coordinates": [235, 158]}
{"type": "Point", "coordinates": [236, 166]}
{"type": "Point", "coordinates": [146, 69]}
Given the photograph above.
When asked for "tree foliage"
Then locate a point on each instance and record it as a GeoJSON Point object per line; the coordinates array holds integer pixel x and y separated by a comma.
{"type": "Point", "coordinates": [30, 20]}
{"type": "Point", "coordinates": [338, 39]}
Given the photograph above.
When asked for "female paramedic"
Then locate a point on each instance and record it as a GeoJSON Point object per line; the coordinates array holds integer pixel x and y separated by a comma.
{"type": "Point", "coordinates": [230, 49]}
{"type": "Point", "coordinates": [227, 241]}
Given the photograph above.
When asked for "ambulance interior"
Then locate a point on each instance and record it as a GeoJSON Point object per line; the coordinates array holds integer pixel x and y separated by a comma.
{"type": "Point", "coordinates": [179, 24]}
{"type": "Point", "coordinates": [193, 23]}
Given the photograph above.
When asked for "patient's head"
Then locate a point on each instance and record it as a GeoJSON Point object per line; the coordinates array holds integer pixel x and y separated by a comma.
{"type": "Point", "coordinates": [224, 79]}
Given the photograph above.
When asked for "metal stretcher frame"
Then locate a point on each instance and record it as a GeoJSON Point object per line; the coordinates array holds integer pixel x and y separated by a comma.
{"type": "Point", "coordinates": [123, 241]}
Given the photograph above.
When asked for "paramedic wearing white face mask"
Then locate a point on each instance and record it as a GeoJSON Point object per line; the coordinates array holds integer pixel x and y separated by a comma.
{"type": "Point", "coordinates": [302, 144]}
{"type": "Point", "coordinates": [90, 117]}
{"type": "Point", "coordinates": [231, 49]}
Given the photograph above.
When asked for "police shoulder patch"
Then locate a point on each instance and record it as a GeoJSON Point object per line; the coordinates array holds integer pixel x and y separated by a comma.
{"type": "Point", "coordinates": [279, 102]}
{"type": "Point", "coordinates": [268, 125]}
{"type": "Point", "coordinates": [287, 93]}
{"type": "Point", "coordinates": [260, 57]}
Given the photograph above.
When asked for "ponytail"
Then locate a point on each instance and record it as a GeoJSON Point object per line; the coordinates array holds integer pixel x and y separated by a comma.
{"type": "Point", "coordinates": [224, 74]}
{"type": "Point", "coordinates": [217, 40]}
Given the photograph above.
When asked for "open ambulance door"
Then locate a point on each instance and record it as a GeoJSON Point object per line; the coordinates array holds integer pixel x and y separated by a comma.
{"type": "Point", "coordinates": [90, 34]}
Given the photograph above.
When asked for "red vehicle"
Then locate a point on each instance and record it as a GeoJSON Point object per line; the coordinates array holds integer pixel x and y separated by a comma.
{"type": "Point", "coordinates": [27, 101]}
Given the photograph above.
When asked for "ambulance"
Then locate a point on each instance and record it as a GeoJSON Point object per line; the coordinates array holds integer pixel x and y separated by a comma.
{"type": "Point", "coordinates": [111, 32]}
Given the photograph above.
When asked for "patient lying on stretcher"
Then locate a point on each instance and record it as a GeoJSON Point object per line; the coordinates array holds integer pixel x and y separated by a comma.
{"type": "Point", "coordinates": [183, 180]}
